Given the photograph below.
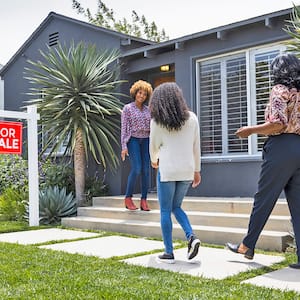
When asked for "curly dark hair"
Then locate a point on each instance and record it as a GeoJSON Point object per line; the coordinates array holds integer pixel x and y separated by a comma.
{"type": "Point", "coordinates": [168, 107]}
{"type": "Point", "coordinates": [285, 69]}
{"type": "Point", "coordinates": [141, 85]}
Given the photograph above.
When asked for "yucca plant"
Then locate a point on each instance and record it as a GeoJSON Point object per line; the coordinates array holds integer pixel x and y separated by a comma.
{"type": "Point", "coordinates": [75, 89]}
{"type": "Point", "coordinates": [54, 204]}
{"type": "Point", "coordinates": [292, 28]}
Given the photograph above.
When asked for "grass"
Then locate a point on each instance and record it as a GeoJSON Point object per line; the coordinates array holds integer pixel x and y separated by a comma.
{"type": "Point", "coordinates": [29, 272]}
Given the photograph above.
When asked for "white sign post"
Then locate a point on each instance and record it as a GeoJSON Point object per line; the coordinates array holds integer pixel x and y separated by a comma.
{"type": "Point", "coordinates": [32, 117]}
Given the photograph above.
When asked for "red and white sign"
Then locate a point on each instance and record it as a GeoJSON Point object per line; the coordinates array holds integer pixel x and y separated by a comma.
{"type": "Point", "coordinates": [11, 137]}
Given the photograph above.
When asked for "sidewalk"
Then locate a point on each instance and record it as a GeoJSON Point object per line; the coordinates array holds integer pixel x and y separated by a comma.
{"type": "Point", "coordinates": [210, 263]}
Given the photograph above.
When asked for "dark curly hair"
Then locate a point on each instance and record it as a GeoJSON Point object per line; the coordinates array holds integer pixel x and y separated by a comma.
{"type": "Point", "coordinates": [168, 107]}
{"type": "Point", "coordinates": [285, 69]}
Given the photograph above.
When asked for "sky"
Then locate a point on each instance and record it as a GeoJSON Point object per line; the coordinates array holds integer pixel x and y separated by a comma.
{"type": "Point", "coordinates": [20, 18]}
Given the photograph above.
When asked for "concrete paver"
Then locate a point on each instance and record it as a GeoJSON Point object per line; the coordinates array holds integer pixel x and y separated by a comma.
{"type": "Point", "coordinates": [43, 236]}
{"type": "Point", "coordinates": [108, 246]}
{"type": "Point", "coordinates": [210, 262]}
{"type": "Point", "coordinates": [284, 279]}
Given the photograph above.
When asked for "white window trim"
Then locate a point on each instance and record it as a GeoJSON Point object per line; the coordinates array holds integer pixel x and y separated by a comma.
{"type": "Point", "coordinates": [251, 101]}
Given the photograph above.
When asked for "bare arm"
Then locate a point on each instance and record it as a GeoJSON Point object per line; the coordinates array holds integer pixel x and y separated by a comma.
{"type": "Point", "coordinates": [264, 129]}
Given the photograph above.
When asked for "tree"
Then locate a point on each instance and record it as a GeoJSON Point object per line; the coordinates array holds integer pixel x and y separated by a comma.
{"type": "Point", "coordinates": [78, 107]}
{"type": "Point", "coordinates": [293, 29]}
{"type": "Point", "coordinates": [139, 26]}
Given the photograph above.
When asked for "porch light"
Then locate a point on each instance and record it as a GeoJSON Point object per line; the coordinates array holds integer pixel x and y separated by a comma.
{"type": "Point", "coordinates": [165, 68]}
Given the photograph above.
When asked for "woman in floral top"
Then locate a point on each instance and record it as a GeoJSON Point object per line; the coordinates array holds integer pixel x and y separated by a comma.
{"type": "Point", "coordinates": [280, 170]}
{"type": "Point", "coordinates": [135, 130]}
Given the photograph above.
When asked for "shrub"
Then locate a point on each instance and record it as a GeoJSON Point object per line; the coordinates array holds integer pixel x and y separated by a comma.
{"type": "Point", "coordinates": [54, 204]}
{"type": "Point", "coordinates": [13, 204]}
{"type": "Point", "coordinates": [59, 174]}
{"type": "Point", "coordinates": [95, 186]}
{"type": "Point", "coordinates": [13, 173]}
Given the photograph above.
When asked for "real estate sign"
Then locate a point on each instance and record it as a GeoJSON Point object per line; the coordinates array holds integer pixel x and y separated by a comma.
{"type": "Point", "coordinates": [11, 137]}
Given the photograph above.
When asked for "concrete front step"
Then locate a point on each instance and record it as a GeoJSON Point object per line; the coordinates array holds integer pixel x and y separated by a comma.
{"type": "Point", "coordinates": [203, 204]}
{"type": "Point", "coordinates": [276, 223]}
{"type": "Point", "coordinates": [214, 220]}
{"type": "Point", "coordinates": [269, 240]}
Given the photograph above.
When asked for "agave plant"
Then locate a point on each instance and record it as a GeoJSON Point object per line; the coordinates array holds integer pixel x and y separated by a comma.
{"type": "Point", "coordinates": [54, 204]}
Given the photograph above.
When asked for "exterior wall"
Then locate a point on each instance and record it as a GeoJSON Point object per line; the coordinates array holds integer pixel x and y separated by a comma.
{"type": "Point", "coordinates": [220, 177]}
{"type": "Point", "coordinates": [1, 92]}
{"type": "Point", "coordinates": [16, 86]}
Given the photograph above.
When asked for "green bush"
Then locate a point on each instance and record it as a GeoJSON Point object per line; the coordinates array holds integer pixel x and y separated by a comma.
{"type": "Point", "coordinates": [54, 204]}
{"type": "Point", "coordinates": [59, 174]}
{"type": "Point", "coordinates": [13, 173]}
{"type": "Point", "coordinates": [13, 204]}
{"type": "Point", "coordinates": [95, 186]}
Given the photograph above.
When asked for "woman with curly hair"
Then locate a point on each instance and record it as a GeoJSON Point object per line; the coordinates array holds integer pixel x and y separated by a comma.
{"type": "Point", "coordinates": [280, 170]}
{"type": "Point", "coordinates": [135, 129]}
{"type": "Point", "coordinates": [175, 152]}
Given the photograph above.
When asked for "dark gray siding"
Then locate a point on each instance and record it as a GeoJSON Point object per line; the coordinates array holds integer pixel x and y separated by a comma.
{"type": "Point", "coordinates": [220, 177]}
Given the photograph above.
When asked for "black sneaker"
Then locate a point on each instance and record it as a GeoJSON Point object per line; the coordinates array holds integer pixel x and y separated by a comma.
{"type": "Point", "coordinates": [166, 258]}
{"type": "Point", "coordinates": [193, 247]}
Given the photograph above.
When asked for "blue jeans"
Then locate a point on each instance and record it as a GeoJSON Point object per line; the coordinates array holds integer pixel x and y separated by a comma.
{"type": "Point", "coordinates": [170, 197]}
{"type": "Point", "coordinates": [139, 157]}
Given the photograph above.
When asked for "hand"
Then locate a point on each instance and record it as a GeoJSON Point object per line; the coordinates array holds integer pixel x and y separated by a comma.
{"type": "Point", "coordinates": [124, 153]}
{"type": "Point", "coordinates": [197, 179]}
{"type": "Point", "coordinates": [154, 165]}
{"type": "Point", "coordinates": [244, 132]}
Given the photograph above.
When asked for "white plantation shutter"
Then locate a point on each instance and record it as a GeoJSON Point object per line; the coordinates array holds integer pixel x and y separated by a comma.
{"type": "Point", "coordinates": [236, 103]}
{"type": "Point", "coordinates": [233, 91]}
{"type": "Point", "coordinates": [263, 87]}
{"type": "Point", "coordinates": [210, 108]}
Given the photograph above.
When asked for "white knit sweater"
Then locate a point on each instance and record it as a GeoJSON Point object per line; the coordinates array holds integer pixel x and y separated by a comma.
{"type": "Point", "coordinates": [178, 151]}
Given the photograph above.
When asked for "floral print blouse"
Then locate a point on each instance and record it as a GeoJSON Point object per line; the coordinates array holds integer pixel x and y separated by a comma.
{"type": "Point", "coordinates": [135, 122]}
{"type": "Point", "coordinates": [284, 108]}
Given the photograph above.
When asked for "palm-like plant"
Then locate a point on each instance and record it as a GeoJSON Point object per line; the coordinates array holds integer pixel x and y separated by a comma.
{"type": "Point", "coordinates": [292, 28]}
{"type": "Point", "coordinates": [75, 90]}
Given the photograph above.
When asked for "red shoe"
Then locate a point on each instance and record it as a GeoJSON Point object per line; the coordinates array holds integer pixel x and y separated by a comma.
{"type": "Point", "coordinates": [129, 204]}
{"type": "Point", "coordinates": [144, 205]}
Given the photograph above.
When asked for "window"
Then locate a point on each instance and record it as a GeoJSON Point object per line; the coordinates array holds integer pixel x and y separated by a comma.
{"type": "Point", "coordinates": [61, 149]}
{"type": "Point", "coordinates": [233, 91]}
{"type": "Point", "coordinates": [263, 85]}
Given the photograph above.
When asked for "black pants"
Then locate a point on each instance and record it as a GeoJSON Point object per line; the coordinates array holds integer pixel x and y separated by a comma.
{"type": "Point", "coordinates": [280, 171]}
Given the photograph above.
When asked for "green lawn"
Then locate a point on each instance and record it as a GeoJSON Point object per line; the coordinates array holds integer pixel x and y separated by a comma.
{"type": "Point", "coordinates": [28, 272]}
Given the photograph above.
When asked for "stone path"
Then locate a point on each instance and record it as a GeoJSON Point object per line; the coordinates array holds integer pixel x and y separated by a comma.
{"type": "Point", "coordinates": [210, 263]}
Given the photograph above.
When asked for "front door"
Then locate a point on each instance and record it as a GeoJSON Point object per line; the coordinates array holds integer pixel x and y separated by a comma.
{"type": "Point", "coordinates": [159, 80]}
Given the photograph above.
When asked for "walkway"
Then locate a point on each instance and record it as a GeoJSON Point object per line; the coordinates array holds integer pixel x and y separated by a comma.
{"type": "Point", "coordinates": [210, 262]}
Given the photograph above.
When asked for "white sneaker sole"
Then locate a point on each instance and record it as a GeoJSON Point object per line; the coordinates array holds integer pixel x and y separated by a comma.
{"type": "Point", "coordinates": [165, 261]}
{"type": "Point", "coordinates": [194, 249]}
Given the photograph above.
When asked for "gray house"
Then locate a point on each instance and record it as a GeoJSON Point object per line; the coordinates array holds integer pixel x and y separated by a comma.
{"type": "Point", "coordinates": [1, 91]}
{"type": "Point", "coordinates": [223, 72]}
